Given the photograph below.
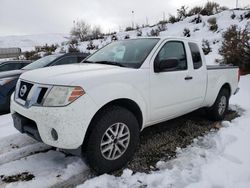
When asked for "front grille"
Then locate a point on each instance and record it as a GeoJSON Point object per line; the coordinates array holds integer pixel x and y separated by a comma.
{"type": "Point", "coordinates": [41, 95]}
{"type": "Point", "coordinates": [31, 94]}
{"type": "Point", "coordinates": [24, 90]}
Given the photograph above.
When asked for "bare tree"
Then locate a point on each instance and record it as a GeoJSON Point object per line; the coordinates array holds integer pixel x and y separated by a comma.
{"type": "Point", "coordinates": [81, 31]}
{"type": "Point", "coordinates": [96, 32]}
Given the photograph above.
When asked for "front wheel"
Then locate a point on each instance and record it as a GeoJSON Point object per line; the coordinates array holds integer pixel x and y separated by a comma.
{"type": "Point", "coordinates": [218, 111]}
{"type": "Point", "coordinates": [113, 139]}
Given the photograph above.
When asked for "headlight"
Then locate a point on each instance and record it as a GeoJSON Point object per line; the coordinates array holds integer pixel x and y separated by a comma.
{"type": "Point", "coordinates": [4, 81]}
{"type": "Point", "coordinates": [62, 95]}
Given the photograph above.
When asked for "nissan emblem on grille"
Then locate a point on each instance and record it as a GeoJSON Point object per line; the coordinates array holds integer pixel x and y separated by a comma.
{"type": "Point", "coordinates": [23, 90]}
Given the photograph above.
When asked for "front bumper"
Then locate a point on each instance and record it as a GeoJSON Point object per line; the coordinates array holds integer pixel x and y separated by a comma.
{"type": "Point", "coordinates": [70, 122]}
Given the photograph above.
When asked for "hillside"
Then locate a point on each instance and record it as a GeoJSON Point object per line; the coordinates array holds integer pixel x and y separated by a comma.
{"type": "Point", "coordinates": [198, 31]}
{"type": "Point", "coordinates": [28, 42]}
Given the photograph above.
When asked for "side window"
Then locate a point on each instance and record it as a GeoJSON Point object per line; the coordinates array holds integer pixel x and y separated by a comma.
{"type": "Point", "coordinates": [18, 65]}
{"type": "Point", "coordinates": [173, 50]}
{"type": "Point", "coordinates": [66, 60]}
{"type": "Point", "coordinates": [7, 67]}
{"type": "Point", "coordinates": [79, 59]}
{"type": "Point", "coordinates": [196, 55]}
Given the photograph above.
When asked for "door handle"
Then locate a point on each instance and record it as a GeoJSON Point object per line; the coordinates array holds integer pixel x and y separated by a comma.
{"type": "Point", "coordinates": [188, 78]}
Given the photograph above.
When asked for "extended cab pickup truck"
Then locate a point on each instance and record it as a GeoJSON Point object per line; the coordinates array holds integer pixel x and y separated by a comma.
{"type": "Point", "coordinates": [100, 106]}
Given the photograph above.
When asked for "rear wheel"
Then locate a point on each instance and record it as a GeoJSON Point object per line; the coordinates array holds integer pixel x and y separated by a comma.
{"type": "Point", "coordinates": [113, 139]}
{"type": "Point", "coordinates": [218, 110]}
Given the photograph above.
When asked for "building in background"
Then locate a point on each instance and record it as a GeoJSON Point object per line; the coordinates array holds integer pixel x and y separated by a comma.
{"type": "Point", "coordinates": [10, 52]}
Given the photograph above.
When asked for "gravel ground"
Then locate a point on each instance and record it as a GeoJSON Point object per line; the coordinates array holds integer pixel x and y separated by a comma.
{"type": "Point", "coordinates": [159, 142]}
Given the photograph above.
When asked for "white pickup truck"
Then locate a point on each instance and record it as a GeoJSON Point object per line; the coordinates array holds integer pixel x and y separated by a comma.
{"type": "Point", "coordinates": [100, 106]}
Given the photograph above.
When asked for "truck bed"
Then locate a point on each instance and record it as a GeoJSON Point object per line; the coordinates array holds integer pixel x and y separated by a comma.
{"type": "Point", "coordinates": [217, 75]}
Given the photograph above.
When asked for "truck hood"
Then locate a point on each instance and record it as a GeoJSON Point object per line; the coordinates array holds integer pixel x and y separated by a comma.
{"type": "Point", "coordinates": [66, 74]}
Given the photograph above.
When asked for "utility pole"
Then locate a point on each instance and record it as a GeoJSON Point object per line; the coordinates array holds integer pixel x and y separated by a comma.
{"type": "Point", "coordinates": [133, 17]}
{"type": "Point", "coordinates": [164, 16]}
{"type": "Point", "coordinates": [237, 3]}
{"type": "Point", "coordinates": [146, 21]}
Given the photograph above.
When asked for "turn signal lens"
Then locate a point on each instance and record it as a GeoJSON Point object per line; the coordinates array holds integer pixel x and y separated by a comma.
{"type": "Point", "coordinates": [76, 93]}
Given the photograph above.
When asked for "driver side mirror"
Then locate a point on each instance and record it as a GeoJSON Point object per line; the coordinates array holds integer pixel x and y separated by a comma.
{"type": "Point", "coordinates": [165, 65]}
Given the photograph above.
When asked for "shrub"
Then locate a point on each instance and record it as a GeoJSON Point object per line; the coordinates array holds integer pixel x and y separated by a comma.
{"type": "Point", "coordinates": [91, 46]}
{"type": "Point", "coordinates": [96, 33]}
{"type": "Point", "coordinates": [212, 24]}
{"type": "Point", "coordinates": [32, 55]}
{"type": "Point", "coordinates": [195, 10]}
{"type": "Point", "coordinates": [233, 16]}
{"type": "Point", "coordinates": [129, 28]}
{"type": "Point", "coordinates": [154, 32]}
{"type": "Point", "coordinates": [210, 8]}
{"type": "Point", "coordinates": [241, 18]}
{"type": "Point", "coordinates": [247, 15]}
{"type": "Point", "coordinates": [73, 46]}
{"type": "Point", "coordinates": [197, 19]}
{"type": "Point", "coordinates": [172, 19]}
{"type": "Point", "coordinates": [196, 29]}
{"type": "Point", "coordinates": [139, 33]}
{"type": "Point", "coordinates": [223, 8]}
{"type": "Point", "coordinates": [186, 32]}
{"type": "Point", "coordinates": [206, 47]}
{"type": "Point", "coordinates": [127, 36]}
{"type": "Point", "coordinates": [236, 47]}
{"type": "Point", "coordinates": [162, 22]}
{"type": "Point", "coordinates": [182, 12]}
{"type": "Point", "coordinates": [162, 27]}
{"type": "Point", "coordinates": [114, 38]}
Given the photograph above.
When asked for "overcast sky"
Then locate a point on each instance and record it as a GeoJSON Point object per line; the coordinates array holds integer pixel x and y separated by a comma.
{"type": "Point", "coordinates": [19, 17]}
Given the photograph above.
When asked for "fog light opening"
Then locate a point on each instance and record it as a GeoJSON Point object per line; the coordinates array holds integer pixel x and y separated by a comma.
{"type": "Point", "coordinates": [54, 134]}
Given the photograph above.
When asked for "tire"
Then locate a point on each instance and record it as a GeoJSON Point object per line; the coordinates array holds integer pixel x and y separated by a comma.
{"type": "Point", "coordinates": [219, 109]}
{"type": "Point", "coordinates": [106, 151]}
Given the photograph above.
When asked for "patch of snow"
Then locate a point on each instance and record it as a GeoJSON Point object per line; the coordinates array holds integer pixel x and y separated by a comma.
{"type": "Point", "coordinates": [219, 159]}
{"type": "Point", "coordinates": [28, 42]}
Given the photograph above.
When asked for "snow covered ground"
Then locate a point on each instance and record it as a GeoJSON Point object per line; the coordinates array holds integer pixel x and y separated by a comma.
{"type": "Point", "coordinates": [28, 42]}
{"type": "Point", "coordinates": [198, 32]}
{"type": "Point", "coordinates": [219, 159]}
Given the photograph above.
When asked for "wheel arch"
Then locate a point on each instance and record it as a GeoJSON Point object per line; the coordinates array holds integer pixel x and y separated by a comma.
{"type": "Point", "coordinates": [129, 104]}
{"type": "Point", "coordinates": [226, 86]}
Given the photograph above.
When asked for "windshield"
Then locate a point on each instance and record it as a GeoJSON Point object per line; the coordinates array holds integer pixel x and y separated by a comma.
{"type": "Point", "coordinates": [42, 62]}
{"type": "Point", "coordinates": [128, 53]}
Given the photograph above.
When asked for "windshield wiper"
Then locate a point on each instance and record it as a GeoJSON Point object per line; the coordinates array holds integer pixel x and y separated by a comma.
{"type": "Point", "coordinates": [86, 61]}
{"type": "Point", "coordinates": [110, 63]}
{"type": "Point", "coordinates": [106, 63]}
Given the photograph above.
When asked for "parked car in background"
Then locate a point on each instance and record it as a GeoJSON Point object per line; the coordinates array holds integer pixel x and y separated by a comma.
{"type": "Point", "coordinates": [99, 107]}
{"type": "Point", "coordinates": [8, 79]}
{"type": "Point", "coordinates": [13, 64]}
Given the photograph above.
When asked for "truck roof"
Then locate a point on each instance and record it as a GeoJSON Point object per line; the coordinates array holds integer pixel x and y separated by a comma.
{"type": "Point", "coordinates": [168, 37]}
